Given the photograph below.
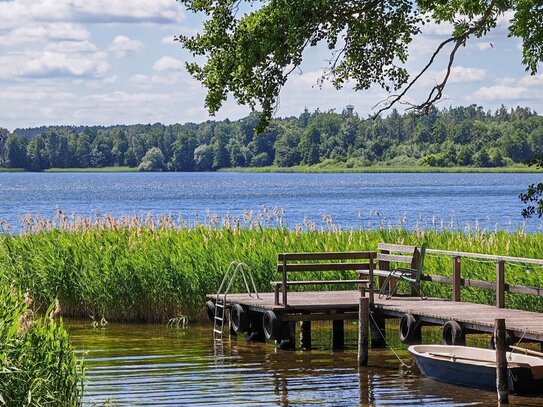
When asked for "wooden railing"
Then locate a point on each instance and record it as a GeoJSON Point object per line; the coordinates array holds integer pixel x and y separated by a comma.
{"type": "Point", "coordinates": [317, 262]}
{"type": "Point", "coordinates": [500, 286]}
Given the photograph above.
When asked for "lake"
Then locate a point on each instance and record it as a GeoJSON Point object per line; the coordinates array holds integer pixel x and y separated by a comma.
{"type": "Point", "coordinates": [454, 201]}
{"type": "Point", "coordinates": [152, 365]}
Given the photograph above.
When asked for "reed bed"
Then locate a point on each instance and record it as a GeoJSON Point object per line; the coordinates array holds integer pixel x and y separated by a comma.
{"type": "Point", "coordinates": [157, 268]}
{"type": "Point", "coordinates": [37, 364]}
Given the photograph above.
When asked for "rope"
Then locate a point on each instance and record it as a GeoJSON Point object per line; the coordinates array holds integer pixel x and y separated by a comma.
{"type": "Point", "coordinates": [391, 348]}
{"type": "Point", "coordinates": [518, 342]}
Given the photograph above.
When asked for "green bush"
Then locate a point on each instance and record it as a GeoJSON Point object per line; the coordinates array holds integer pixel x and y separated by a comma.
{"type": "Point", "coordinates": [37, 364]}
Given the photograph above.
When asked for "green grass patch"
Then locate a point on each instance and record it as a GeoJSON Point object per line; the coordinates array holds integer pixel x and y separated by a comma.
{"type": "Point", "coordinates": [11, 169]}
{"type": "Point", "coordinates": [154, 270]}
{"type": "Point", "coordinates": [98, 169]}
{"type": "Point", "coordinates": [386, 169]}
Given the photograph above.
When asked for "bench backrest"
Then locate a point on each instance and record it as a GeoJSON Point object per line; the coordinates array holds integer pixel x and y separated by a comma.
{"type": "Point", "coordinates": [322, 261]}
{"type": "Point", "coordinates": [408, 256]}
{"type": "Point", "coordinates": [325, 261]}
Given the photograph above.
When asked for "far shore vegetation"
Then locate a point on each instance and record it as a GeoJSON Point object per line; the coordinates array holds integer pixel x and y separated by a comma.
{"type": "Point", "coordinates": [519, 168]}
{"type": "Point", "coordinates": [97, 169]}
{"type": "Point", "coordinates": [325, 168]}
{"type": "Point", "coordinates": [451, 139]}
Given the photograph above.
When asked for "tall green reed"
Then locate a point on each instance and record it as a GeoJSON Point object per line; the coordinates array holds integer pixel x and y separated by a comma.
{"type": "Point", "coordinates": [37, 364]}
{"type": "Point", "coordinates": [155, 268]}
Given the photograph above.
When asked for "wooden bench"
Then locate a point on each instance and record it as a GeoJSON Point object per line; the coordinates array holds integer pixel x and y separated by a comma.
{"type": "Point", "coordinates": [394, 262]}
{"type": "Point", "coordinates": [321, 262]}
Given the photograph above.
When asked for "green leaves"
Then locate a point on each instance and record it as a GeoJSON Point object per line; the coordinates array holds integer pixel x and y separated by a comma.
{"type": "Point", "coordinates": [251, 54]}
{"type": "Point", "coordinates": [527, 24]}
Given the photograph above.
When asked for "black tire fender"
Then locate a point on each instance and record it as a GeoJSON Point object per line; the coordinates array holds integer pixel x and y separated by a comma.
{"type": "Point", "coordinates": [409, 329]}
{"type": "Point", "coordinates": [271, 325]}
{"type": "Point", "coordinates": [210, 310]}
{"type": "Point", "coordinates": [238, 318]}
{"type": "Point", "coordinates": [453, 333]}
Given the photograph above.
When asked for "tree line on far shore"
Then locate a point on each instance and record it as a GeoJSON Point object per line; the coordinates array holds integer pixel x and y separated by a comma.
{"type": "Point", "coordinates": [454, 136]}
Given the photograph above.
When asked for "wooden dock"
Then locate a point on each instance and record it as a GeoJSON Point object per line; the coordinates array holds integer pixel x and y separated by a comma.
{"type": "Point", "coordinates": [343, 305]}
{"type": "Point", "coordinates": [266, 316]}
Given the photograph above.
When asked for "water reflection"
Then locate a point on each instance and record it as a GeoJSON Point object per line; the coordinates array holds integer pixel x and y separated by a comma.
{"type": "Point", "coordinates": [149, 365]}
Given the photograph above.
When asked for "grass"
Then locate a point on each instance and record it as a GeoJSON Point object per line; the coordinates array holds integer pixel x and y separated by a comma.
{"type": "Point", "coordinates": [155, 269]}
{"type": "Point", "coordinates": [38, 365]}
{"type": "Point", "coordinates": [11, 169]}
{"type": "Point", "coordinates": [386, 169]}
{"type": "Point", "coordinates": [97, 169]}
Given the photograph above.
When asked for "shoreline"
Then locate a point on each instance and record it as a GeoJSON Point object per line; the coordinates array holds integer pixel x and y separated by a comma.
{"type": "Point", "coordinates": [316, 170]}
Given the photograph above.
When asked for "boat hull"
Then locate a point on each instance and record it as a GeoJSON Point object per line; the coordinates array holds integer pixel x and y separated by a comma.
{"type": "Point", "coordinates": [461, 370]}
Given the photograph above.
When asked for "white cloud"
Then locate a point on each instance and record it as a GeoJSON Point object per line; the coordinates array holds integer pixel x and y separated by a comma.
{"type": "Point", "coordinates": [170, 39]}
{"type": "Point", "coordinates": [484, 45]}
{"type": "Point", "coordinates": [433, 28]}
{"type": "Point", "coordinates": [148, 81]}
{"type": "Point", "coordinates": [15, 12]}
{"type": "Point", "coordinates": [122, 45]}
{"type": "Point", "coordinates": [69, 47]}
{"type": "Point", "coordinates": [500, 92]}
{"type": "Point", "coordinates": [41, 32]}
{"type": "Point", "coordinates": [168, 64]}
{"type": "Point", "coordinates": [52, 64]}
{"type": "Point", "coordinates": [460, 74]}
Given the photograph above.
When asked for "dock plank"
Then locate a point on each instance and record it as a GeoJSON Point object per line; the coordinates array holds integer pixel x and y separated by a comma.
{"type": "Point", "coordinates": [432, 310]}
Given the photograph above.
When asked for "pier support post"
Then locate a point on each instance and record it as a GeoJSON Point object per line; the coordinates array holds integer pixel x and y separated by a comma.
{"type": "Point", "coordinates": [305, 335]}
{"type": "Point", "coordinates": [457, 279]}
{"type": "Point", "coordinates": [363, 330]}
{"type": "Point", "coordinates": [500, 284]}
{"type": "Point", "coordinates": [338, 333]}
{"type": "Point", "coordinates": [288, 336]}
{"type": "Point", "coordinates": [378, 331]}
{"type": "Point", "coordinates": [502, 384]}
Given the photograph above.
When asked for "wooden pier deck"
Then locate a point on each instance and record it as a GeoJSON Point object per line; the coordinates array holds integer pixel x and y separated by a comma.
{"type": "Point", "coordinates": [268, 316]}
{"type": "Point", "coordinates": [343, 305]}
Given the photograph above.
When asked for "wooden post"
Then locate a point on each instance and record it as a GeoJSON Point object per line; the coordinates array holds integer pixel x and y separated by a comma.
{"type": "Point", "coordinates": [370, 278]}
{"type": "Point", "coordinates": [284, 280]}
{"type": "Point", "coordinates": [500, 284]}
{"type": "Point", "coordinates": [288, 336]}
{"type": "Point", "coordinates": [384, 265]}
{"type": "Point", "coordinates": [502, 384]}
{"type": "Point", "coordinates": [305, 335]}
{"type": "Point", "coordinates": [457, 279]}
{"type": "Point", "coordinates": [363, 328]}
{"type": "Point", "coordinates": [338, 333]}
{"type": "Point", "coordinates": [414, 265]}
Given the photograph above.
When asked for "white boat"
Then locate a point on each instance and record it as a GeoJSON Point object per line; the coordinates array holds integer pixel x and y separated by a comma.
{"type": "Point", "coordinates": [476, 367]}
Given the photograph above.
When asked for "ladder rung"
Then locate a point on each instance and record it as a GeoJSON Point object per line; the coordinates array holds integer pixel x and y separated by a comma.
{"type": "Point", "coordinates": [219, 305]}
{"type": "Point", "coordinates": [217, 331]}
{"type": "Point", "coordinates": [218, 318]}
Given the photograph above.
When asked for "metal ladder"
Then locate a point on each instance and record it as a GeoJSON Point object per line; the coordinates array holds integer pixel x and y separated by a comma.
{"type": "Point", "coordinates": [220, 300]}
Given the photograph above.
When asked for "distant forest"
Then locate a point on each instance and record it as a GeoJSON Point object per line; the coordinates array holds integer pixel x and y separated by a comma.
{"type": "Point", "coordinates": [455, 136]}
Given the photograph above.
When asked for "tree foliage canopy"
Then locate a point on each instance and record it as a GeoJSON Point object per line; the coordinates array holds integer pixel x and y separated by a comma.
{"type": "Point", "coordinates": [250, 48]}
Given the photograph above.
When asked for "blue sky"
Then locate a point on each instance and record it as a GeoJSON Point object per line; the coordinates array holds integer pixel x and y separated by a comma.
{"type": "Point", "coordinates": [103, 62]}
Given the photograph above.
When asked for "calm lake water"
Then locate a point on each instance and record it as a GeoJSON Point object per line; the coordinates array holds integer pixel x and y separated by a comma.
{"type": "Point", "coordinates": [152, 365]}
{"type": "Point", "coordinates": [351, 200]}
